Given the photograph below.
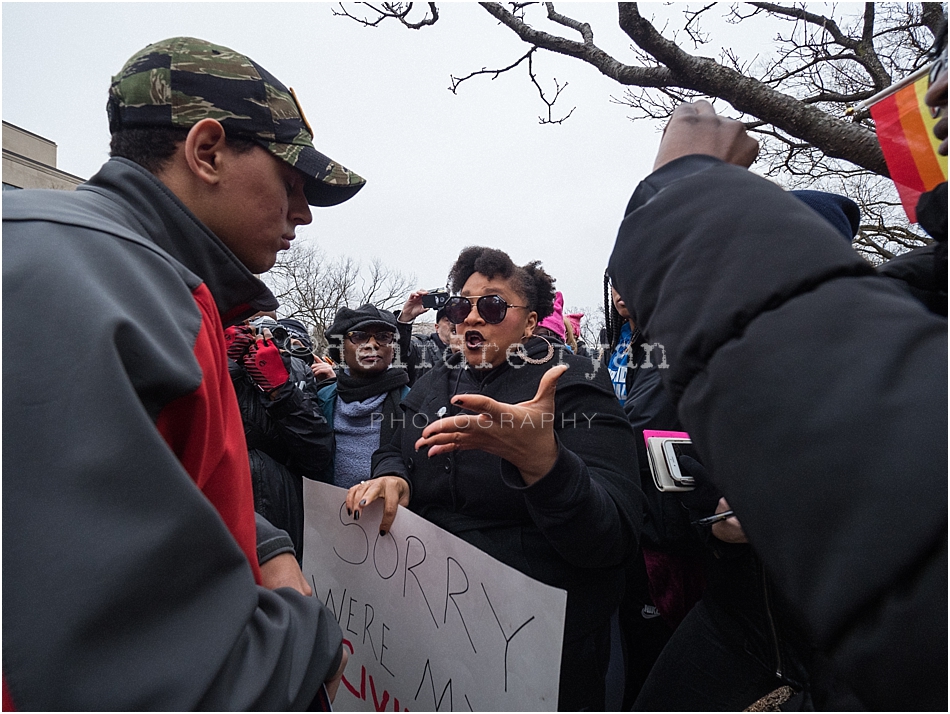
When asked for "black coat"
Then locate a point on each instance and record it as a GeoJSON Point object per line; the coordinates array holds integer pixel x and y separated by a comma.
{"type": "Point", "coordinates": [815, 390]}
{"type": "Point", "coordinates": [574, 528]}
{"type": "Point", "coordinates": [737, 589]}
{"type": "Point", "coordinates": [287, 439]}
{"type": "Point", "coordinates": [419, 354]}
{"type": "Point", "coordinates": [923, 272]}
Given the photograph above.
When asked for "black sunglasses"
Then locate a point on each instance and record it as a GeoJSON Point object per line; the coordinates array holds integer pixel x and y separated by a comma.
{"type": "Point", "coordinates": [492, 308]}
{"type": "Point", "coordinates": [360, 337]}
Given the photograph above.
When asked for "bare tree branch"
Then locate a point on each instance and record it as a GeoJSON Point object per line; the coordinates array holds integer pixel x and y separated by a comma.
{"type": "Point", "coordinates": [753, 97]}
{"type": "Point", "coordinates": [550, 103]}
{"type": "Point", "coordinates": [311, 287]}
{"type": "Point", "coordinates": [827, 24]}
{"type": "Point", "coordinates": [695, 34]}
{"type": "Point", "coordinates": [393, 10]}
{"type": "Point", "coordinates": [586, 51]}
{"type": "Point", "coordinates": [456, 81]}
{"type": "Point", "coordinates": [794, 97]}
{"type": "Point", "coordinates": [586, 33]}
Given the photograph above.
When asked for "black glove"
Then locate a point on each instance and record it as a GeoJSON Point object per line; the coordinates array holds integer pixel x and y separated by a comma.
{"type": "Point", "coordinates": [703, 499]}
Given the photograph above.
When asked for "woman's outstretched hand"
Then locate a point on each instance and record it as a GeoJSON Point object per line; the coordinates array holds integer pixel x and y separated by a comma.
{"type": "Point", "coordinates": [394, 491]}
{"type": "Point", "coordinates": [522, 434]}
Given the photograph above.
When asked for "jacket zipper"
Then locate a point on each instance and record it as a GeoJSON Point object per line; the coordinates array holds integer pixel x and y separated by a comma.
{"type": "Point", "coordinates": [768, 613]}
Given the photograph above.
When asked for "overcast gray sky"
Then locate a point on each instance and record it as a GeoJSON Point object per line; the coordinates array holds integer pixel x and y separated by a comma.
{"type": "Point", "coordinates": [444, 171]}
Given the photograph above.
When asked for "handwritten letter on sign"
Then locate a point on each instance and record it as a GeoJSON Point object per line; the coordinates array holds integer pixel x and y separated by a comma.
{"type": "Point", "coordinates": [430, 622]}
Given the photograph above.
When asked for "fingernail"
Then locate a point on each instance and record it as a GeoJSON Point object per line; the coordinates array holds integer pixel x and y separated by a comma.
{"type": "Point", "coordinates": [356, 516]}
{"type": "Point", "coordinates": [382, 532]}
{"type": "Point", "coordinates": [349, 512]}
{"type": "Point", "coordinates": [363, 502]}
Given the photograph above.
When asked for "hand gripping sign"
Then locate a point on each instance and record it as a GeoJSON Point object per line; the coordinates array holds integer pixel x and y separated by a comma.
{"type": "Point", "coordinates": [430, 622]}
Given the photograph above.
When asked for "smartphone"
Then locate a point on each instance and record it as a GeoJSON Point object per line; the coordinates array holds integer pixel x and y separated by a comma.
{"type": "Point", "coordinates": [435, 299]}
{"type": "Point", "coordinates": [672, 450]}
{"type": "Point", "coordinates": [663, 448]}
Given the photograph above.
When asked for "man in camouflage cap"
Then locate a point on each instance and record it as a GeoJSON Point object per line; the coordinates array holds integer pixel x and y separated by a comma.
{"type": "Point", "coordinates": [135, 575]}
{"type": "Point", "coordinates": [178, 82]}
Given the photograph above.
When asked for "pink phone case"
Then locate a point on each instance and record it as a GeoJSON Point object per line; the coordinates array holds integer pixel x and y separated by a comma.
{"type": "Point", "coordinates": [647, 433]}
{"type": "Point", "coordinates": [662, 477]}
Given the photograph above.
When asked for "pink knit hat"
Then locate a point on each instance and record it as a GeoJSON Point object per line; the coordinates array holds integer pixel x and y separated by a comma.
{"type": "Point", "coordinates": [555, 321]}
{"type": "Point", "coordinates": [575, 319]}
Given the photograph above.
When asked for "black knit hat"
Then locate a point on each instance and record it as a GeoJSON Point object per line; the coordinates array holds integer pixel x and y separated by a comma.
{"type": "Point", "coordinates": [297, 331]}
{"type": "Point", "coordinates": [348, 319]}
{"type": "Point", "coordinates": [840, 211]}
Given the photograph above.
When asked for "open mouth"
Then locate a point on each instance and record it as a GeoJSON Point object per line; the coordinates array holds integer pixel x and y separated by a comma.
{"type": "Point", "coordinates": [474, 340]}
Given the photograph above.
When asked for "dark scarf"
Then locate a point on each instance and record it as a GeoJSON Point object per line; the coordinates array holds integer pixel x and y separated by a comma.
{"type": "Point", "coordinates": [359, 389]}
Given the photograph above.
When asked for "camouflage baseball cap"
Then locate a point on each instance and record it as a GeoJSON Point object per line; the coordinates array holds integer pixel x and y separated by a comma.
{"type": "Point", "coordinates": [182, 80]}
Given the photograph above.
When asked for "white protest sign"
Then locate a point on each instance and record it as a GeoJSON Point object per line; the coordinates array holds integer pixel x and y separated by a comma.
{"type": "Point", "coordinates": [430, 622]}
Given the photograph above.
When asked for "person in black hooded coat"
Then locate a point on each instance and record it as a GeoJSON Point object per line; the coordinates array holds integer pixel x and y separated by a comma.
{"type": "Point", "coordinates": [814, 390]}
{"type": "Point", "coordinates": [739, 643]}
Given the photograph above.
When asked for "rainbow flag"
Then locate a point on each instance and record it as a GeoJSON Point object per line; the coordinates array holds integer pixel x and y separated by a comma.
{"type": "Point", "coordinates": [905, 130]}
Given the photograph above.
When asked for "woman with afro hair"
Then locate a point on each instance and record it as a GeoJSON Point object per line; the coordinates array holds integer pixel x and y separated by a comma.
{"type": "Point", "coordinates": [523, 451]}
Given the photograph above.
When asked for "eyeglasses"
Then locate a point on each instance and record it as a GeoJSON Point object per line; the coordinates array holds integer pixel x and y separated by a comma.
{"type": "Point", "coordinates": [492, 308]}
{"type": "Point", "coordinates": [360, 337]}
{"type": "Point", "coordinates": [939, 66]}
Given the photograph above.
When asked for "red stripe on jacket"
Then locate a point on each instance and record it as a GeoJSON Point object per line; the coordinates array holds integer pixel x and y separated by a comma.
{"type": "Point", "coordinates": [205, 431]}
{"type": "Point", "coordinates": [8, 705]}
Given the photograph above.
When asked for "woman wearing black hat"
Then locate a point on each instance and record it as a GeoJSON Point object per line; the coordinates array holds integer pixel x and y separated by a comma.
{"type": "Point", "coordinates": [361, 404]}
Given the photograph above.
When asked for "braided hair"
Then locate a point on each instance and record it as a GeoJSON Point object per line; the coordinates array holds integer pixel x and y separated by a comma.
{"type": "Point", "coordinates": [613, 321]}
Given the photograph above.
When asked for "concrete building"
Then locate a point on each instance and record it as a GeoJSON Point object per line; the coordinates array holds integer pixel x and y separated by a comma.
{"type": "Point", "coordinates": [29, 161]}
